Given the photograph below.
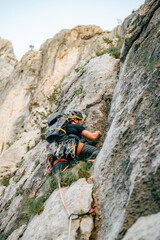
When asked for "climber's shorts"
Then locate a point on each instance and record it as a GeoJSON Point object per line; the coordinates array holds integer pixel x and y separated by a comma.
{"type": "Point", "coordinates": [88, 151]}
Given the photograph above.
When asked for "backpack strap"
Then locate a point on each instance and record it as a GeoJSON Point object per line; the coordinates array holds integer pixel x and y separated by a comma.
{"type": "Point", "coordinates": [61, 129]}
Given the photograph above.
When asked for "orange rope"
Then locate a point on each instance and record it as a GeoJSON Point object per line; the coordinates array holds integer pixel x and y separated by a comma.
{"type": "Point", "coordinates": [70, 219]}
{"type": "Point", "coordinates": [62, 197]}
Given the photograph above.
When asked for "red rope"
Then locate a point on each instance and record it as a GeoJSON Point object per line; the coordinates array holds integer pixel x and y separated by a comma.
{"type": "Point", "coordinates": [63, 198]}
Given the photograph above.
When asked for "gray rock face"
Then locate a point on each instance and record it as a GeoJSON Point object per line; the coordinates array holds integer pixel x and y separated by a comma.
{"type": "Point", "coordinates": [7, 61]}
{"type": "Point", "coordinates": [41, 79]}
{"type": "Point", "coordinates": [17, 233]}
{"type": "Point", "coordinates": [145, 228]}
{"type": "Point", "coordinates": [73, 70]}
{"type": "Point", "coordinates": [127, 171]}
{"type": "Point", "coordinates": [54, 219]}
{"type": "Point", "coordinates": [66, 73]}
{"type": "Point", "coordinates": [91, 90]}
{"type": "Point", "coordinates": [135, 25]}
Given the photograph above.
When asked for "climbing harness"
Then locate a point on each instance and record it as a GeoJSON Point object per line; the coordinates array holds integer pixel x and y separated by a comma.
{"type": "Point", "coordinates": [67, 147]}
{"type": "Point", "coordinates": [50, 165]}
{"type": "Point", "coordinates": [60, 160]}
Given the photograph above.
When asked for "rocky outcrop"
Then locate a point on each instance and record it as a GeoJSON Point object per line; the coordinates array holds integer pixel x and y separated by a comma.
{"type": "Point", "coordinates": [127, 171]}
{"type": "Point", "coordinates": [37, 81]}
{"type": "Point", "coordinates": [145, 228]}
{"type": "Point", "coordinates": [135, 26]}
{"type": "Point", "coordinates": [118, 97]}
{"type": "Point", "coordinates": [15, 99]}
{"type": "Point", "coordinates": [7, 61]}
{"type": "Point", "coordinates": [65, 73]}
{"type": "Point", "coordinates": [54, 220]}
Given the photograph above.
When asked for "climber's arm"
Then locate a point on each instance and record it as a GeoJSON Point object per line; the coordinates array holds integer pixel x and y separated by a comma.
{"type": "Point", "coordinates": [91, 136]}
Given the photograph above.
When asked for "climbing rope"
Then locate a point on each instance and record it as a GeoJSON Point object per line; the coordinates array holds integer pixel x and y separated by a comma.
{"type": "Point", "coordinates": [65, 206]}
{"type": "Point", "coordinates": [78, 215]}
{"type": "Point", "coordinates": [62, 198]}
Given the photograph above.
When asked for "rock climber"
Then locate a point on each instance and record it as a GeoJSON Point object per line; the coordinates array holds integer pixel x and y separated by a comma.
{"type": "Point", "coordinates": [68, 150]}
{"type": "Point", "coordinates": [76, 129]}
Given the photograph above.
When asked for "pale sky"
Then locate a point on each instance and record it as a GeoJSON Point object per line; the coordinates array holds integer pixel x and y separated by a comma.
{"type": "Point", "coordinates": [32, 22]}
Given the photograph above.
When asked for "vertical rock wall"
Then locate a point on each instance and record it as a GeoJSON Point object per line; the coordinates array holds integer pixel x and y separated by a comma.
{"type": "Point", "coordinates": [66, 73]}
{"type": "Point", "coordinates": [72, 70]}
{"type": "Point", "coordinates": [127, 171]}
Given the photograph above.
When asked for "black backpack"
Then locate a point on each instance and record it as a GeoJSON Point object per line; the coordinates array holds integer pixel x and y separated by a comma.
{"type": "Point", "coordinates": [56, 132]}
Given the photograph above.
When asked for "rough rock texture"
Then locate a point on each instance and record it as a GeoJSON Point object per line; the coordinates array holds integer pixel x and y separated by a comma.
{"type": "Point", "coordinates": [145, 228]}
{"type": "Point", "coordinates": [54, 219]}
{"type": "Point", "coordinates": [15, 99]}
{"type": "Point", "coordinates": [30, 178]}
{"type": "Point", "coordinates": [73, 70]}
{"type": "Point", "coordinates": [91, 90]}
{"type": "Point", "coordinates": [127, 171]}
{"type": "Point", "coordinates": [7, 61]}
{"type": "Point", "coordinates": [14, 154]}
{"type": "Point", "coordinates": [17, 233]}
{"type": "Point", "coordinates": [136, 25]}
{"type": "Point", "coordinates": [41, 79]}
{"type": "Point", "coordinates": [65, 73]}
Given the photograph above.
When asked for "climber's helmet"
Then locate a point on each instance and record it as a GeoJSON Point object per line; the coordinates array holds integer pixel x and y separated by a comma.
{"type": "Point", "coordinates": [74, 114]}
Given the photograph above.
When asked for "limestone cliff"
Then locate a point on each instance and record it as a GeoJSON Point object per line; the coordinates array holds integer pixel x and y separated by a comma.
{"type": "Point", "coordinates": [81, 68]}
{"type": "Point", "coordinates": [128, 167]}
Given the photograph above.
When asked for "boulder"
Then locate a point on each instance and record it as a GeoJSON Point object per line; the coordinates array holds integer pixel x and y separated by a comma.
{"type": "Point", "coordinates": [145, 228]}
{"type": "Point", "coordinates": [54, 220]}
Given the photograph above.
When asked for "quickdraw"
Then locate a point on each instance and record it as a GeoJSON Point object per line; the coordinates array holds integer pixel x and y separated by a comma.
{"type": "Point", "coordinates": [66, 147]}
{"type": "Point", "coordinates": [79, 215]}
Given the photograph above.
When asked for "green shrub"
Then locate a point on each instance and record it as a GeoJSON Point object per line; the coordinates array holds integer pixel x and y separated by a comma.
{"type": "Point", "coordinates": [114, 52]}
{"type": "Point", "coordinates": [80, 170]}
{"type": "Point", "coordinates": [79, 91]}
{"type": "Point", "coordinates": [77, 69]}
{"type": "Point", "coordinates": [6, 180]}
{"type": "Point", "coordinates": [28, 148]}
{"type": "Point", "coordinates": [36, 163]}
{"type": "Point", "coordinates": [101, 53]}
{"type": "Point", "coordinates": [34, 206]}
{"type": "Point", "coordinates": [53, 97]}
{"type": "Point", "coordinates": [20, 190]}
{"type": "Point", "coordinates": [108, 41]}
{"type": "Point", "coordinates": [19, 164]}
{"type": "Point", "coordinates": [22, 218]}
{"type": "Point", "coordinates": [53, 184]}
{"type": "Point", "coordinates": [42, 114]}
{"type": "Point", "coordinates": [4, 236]}
{"type": "Point", "coordinates": [8, 144]}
